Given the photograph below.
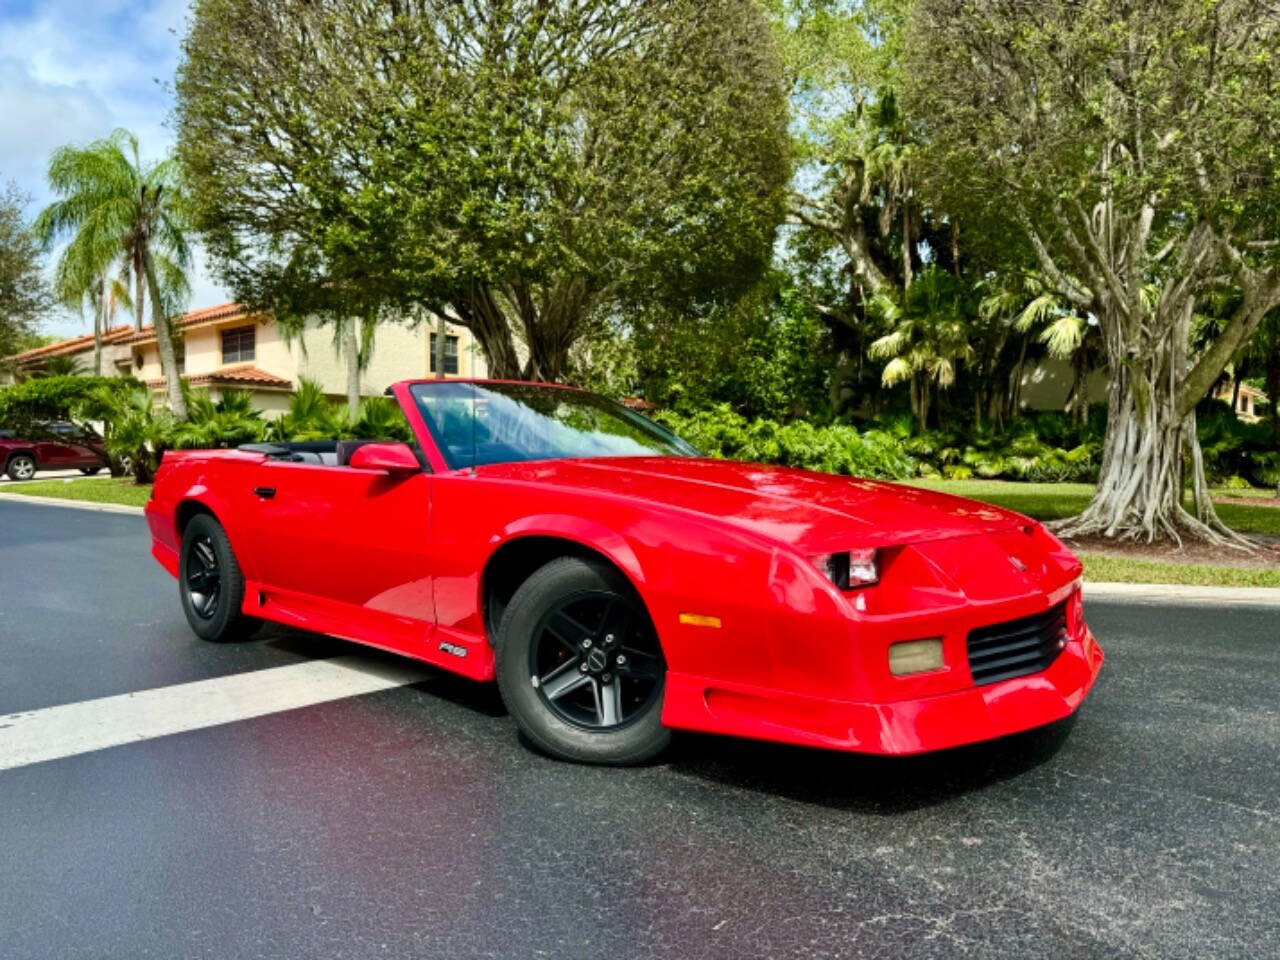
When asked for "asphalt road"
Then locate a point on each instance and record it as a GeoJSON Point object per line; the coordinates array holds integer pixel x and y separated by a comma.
{"type": "Point", "coordinates": [412, 822]}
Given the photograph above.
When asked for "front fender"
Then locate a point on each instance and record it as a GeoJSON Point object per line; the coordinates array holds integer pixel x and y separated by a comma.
{"type": "Point", "coordinates": [588, 533]}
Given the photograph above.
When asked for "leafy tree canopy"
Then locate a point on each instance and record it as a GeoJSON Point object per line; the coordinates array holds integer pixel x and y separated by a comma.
{"type": "Point", "coordinates": [525, 168]}
{"type": "Point", "coordinates": [24, 296]}
{"type": "Point", "coordinates": [1134, 147]}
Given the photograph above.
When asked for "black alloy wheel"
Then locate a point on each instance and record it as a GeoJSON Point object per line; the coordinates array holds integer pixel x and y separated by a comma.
{"type": "Point", "coordinates": [204, 580]}
{"type": "Point", "coordinates": [580, 666]}
{"type": "Point", "coordinates": [595, 661]}
{"type": "Point", "coordinates": [210, 582]}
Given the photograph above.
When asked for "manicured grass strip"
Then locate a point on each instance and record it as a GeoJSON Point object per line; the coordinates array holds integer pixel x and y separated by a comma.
{"type": "Point", "coordinates": [1054, 501]}
{"type": "Point", "coordinates": [1108, 568]}
{"type": "Point", "coordinates": [109, 490]}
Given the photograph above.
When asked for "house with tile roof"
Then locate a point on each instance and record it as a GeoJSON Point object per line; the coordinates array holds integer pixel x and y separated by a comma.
{"type": "Point", "coordinates": [229, 347]}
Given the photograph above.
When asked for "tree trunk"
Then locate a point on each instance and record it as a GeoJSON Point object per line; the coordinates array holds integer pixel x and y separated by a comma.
{"type": "Point", "coordinates": [1273, 391]}
{"type": "Point", "coordinates": [164, 343]}
{"type": "Point", "coordinates": [442, 329]}
{"type": "Point", "coordinates": [139, 299]}
{"type": "Point", "coordinates": [907, 276]}
{"type": "Point", "coordinates": [1141, 480]}
{"type": "Point", "coordinates": [99, 307]}
{"type": "Point", "coordinates": [481, 314]}
{"type": "Point", "coordinates": [351, 352]}
{"type": "Point", "coordinates": [1015, 380]}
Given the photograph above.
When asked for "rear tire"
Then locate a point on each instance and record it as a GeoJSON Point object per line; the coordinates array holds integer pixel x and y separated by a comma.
{"type": "Point", "coordinates": [211, 584]}
{"type": "Point", "coordinates": [21, 466]}
{"type": "Point", "coordinates": [559, 647]}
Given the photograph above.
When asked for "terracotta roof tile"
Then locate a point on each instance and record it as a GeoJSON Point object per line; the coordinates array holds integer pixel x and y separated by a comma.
{"type": "Point", "coordinates": [194, 318]}
{"type": "Point", "coordinates": [246, 376]}
{"type": "Point", "coordinates": [71, 346]}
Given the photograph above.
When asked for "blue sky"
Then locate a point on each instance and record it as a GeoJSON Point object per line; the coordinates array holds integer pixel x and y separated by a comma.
{"type": "Point", "coordinates": [71, 72]}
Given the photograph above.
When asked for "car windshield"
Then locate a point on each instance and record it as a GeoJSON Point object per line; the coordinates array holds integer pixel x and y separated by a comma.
{"type": "Point", "coordinates": [475, 424]}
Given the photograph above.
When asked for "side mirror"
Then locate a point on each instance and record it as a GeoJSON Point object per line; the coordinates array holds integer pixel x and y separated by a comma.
{"type": "Point", "coordinates": [395, 458]}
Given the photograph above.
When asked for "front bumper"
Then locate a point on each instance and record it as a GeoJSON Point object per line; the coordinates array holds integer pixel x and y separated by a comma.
{"type": "Point", "coordinates": [900, 727]}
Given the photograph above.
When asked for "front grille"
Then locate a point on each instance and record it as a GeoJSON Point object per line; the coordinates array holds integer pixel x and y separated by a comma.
{"type": "Point", "coordinates": [1018, 647]}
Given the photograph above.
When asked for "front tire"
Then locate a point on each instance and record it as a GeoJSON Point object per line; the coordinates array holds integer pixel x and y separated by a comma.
{"type": "Point", "coordinates": [21, 466]}
{"type": "Point", "coordinates": [579, 665]}
{"type": "Point", "coordinates": [211, 584]}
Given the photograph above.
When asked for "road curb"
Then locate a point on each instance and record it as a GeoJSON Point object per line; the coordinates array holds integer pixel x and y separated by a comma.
{"type": "Point", "coordinates": [1166, 593]}
{"type": "Point", "coordinates": [73, 504]}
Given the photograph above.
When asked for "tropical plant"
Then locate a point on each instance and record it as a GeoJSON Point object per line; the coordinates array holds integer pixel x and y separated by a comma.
{"type": "Point", "coordinates": [380, 418]}
{"type": "Point", "coordinates": [928, 339]}
{"type": "Point", "coordinates": [308, 416]}
{"type": "Point", "coordinates": [120, 212]}
{"type": "Point", "coordinates": [837, 448]}
{"type": "Point", "coordinates": [226, 422]}
{"type": "Point", "coordinates": [60, 367]}
{"type": "Point", "coordinates": [139, 432]}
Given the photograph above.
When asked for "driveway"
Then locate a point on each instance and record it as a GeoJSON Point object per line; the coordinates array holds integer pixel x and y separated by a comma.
{"type": "Point", "coordinates": [410, 821]}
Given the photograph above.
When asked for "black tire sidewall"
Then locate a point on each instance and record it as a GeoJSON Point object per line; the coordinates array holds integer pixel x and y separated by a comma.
{"type": "Point", "coordinates": [227, 623]}
{"type": "Point", "coordinates": [639, 740]}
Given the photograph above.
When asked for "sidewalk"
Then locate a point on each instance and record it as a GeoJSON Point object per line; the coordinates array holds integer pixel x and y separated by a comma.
{"type": "Point", "coordinates": [1170, 593]}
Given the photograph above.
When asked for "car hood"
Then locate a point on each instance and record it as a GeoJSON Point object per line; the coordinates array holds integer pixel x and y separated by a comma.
{"type": "Point", "coordinates": [797, 507]}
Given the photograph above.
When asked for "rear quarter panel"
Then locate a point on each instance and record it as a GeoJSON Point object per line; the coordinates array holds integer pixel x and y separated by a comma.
{"type": "Point", "coordinates": [220, 481]}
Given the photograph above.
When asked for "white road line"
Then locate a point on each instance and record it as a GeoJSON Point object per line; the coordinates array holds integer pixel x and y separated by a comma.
{"type": "Point", "coordinates": [34, 736]}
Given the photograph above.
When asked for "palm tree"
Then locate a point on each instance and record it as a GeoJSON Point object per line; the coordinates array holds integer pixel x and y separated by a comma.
{"type": "Point", "coordinates": [76, 281]}
{"type": "Point", "coordinates": [58, 367]}
{"type": "Point", "coordinates": [121, 211]}
{"type": "Point", "coordinates": [928, 340]}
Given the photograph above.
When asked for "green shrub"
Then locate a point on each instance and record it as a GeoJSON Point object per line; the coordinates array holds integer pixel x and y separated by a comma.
{"type": "Point", "coordinates": [838, 448]}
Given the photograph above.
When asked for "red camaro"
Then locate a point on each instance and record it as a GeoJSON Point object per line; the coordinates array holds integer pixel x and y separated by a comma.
{"type": "Point", "coordinates": [617, 585]}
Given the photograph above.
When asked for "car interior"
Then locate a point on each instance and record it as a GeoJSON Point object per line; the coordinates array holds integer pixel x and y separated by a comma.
{"type": "Point", "coordinates": [332, 453]}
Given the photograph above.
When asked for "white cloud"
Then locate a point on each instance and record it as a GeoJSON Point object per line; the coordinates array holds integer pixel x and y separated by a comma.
{"type": "Point", "coordinates": [71, 72]}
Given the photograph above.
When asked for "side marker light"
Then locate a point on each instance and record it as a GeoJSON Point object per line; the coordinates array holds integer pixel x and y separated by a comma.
{"type": "Point", "coordinates": [700, 620]}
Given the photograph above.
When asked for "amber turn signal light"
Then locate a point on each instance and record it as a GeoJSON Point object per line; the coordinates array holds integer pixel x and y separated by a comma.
{"type": "Point", "coordinates": [915, 656]}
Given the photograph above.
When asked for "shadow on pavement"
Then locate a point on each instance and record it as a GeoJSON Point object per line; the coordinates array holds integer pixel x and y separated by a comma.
{"type": "Point", "coordinates": [866, 784]}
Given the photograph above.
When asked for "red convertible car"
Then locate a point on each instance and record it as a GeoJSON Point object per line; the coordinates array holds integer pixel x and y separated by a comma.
{"type": "Point", "coordinates": [617, 585]}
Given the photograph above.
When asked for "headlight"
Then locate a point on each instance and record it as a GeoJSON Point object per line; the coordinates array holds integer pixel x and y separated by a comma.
{"type": "Point", "coordinates": [850, 569]}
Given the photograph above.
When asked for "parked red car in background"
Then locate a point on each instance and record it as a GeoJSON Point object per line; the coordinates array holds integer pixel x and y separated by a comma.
{"type": "Point", "coordinates": [62, 446]}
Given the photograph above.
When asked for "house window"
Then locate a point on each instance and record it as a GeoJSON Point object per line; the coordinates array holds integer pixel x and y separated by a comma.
{"type": "Point", "coordinates": [180, 356]}
{"type": "Point", "coordinates": [450, 353]}
{"type": "Point", "coordinates": [238, 344]}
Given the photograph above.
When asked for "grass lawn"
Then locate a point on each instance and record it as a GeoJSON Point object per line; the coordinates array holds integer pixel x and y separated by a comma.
{"type": "Point", "coordinates": [1053, 501]}
{"type": "Point", "coordinates": [1119, 569]}
{"type": "Point", "coordinates": [105, 490]}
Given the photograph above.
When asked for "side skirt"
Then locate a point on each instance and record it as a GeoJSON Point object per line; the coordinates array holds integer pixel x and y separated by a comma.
{"type": "Point", "coordinates": [450, 650]}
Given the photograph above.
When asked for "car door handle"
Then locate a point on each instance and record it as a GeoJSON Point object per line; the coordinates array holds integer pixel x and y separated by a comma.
{"type": "Point", "coordinates": [266, 493]}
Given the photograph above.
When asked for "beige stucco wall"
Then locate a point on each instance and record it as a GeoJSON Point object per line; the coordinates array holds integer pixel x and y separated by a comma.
{"type": "Point", "coordinates": [1047, 385]}
{"type": "Point", "coordinates": [400, 352]}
